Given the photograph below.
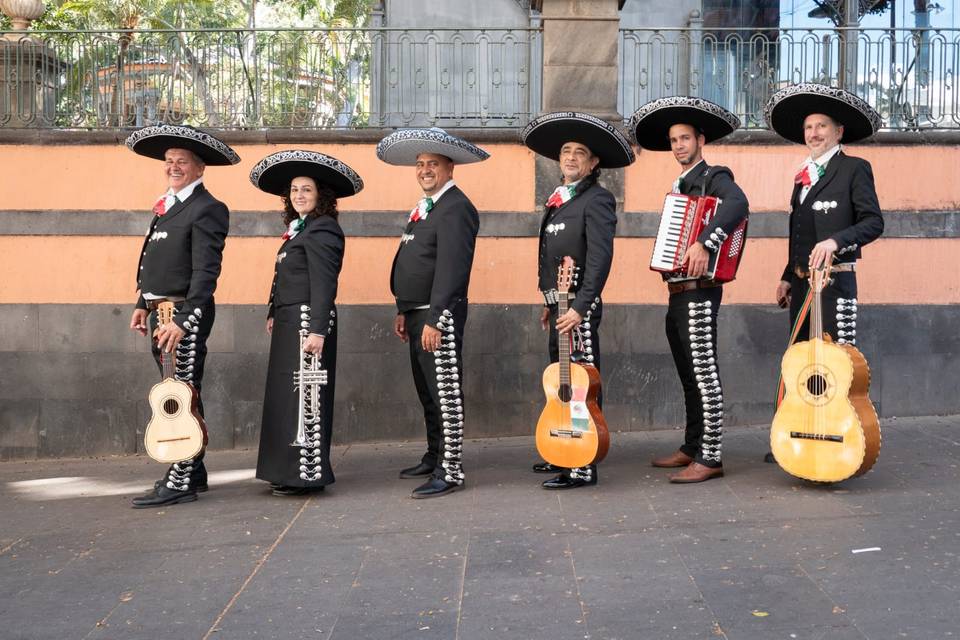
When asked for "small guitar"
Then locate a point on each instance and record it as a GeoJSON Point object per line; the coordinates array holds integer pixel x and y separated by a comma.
{"type": "Point", "coordinates": [571, 431]}
{"type": "Point", "coordinates": [176, 430]}
{"type": "Point", "coordinates": [826, 429]}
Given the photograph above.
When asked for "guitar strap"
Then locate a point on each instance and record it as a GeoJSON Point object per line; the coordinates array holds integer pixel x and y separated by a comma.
{"type": "Point", "coordinates": [801, 317]}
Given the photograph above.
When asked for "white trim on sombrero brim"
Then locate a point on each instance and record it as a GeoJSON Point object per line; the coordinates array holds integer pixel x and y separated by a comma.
{"type": "Point", "coordinates": [546, 134]}
{"type": "Point", "coordinates": [659, 115]}
{"type": "Point", "coordinates": [274, 173]}
{"type": "Point", "coordinates": [820, 98]}
{"type": "Point", "coordinates": [141, 142]}
{"type": "Point", "coordinates": [402, 147]}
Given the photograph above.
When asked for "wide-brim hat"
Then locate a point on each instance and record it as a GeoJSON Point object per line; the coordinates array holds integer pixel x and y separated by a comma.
{"type": "Point", "coordinates": [788, 108]}
{"type": "Point", "coordinates": [402, 147]}
{"type": "Point", "coordinates": [154, 141]}
{"type": "Point", "coordinates": [274, 173]}
{"type": "Point", "coordinates": [546, 135]}
{"type": "Point", "coordinates": [650, 124]}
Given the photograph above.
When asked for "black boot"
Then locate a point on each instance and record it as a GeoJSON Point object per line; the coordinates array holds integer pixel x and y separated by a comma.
{"type": "Point", "coordinates": [546, 467]}
{"type": "Point", "coordinates": [435, 487]}
{"type": "Point", "coordinates": [573, 478]}
{"type": "Point", "coordinates": [177, 486]}
{"type": "Point", "coordinates": [198, 477]}
{"type": "Point", "coordinates": [417, 471]}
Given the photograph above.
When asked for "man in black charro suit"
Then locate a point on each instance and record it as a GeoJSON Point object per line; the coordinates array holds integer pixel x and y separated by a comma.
{"type": "Point", "coordinates": [429, 279]}
{"type": "Point", "coordinates": [834, 209]}
{"type": "Point", "coordinates": [579, 221]}
{"type": "Point", "coordinates": [684, 125]}
{"type": "Point", "coordinates": [180, 262]}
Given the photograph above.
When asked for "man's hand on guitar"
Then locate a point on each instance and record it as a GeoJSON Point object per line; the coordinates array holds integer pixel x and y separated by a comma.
{"type": "Point", "coordinates": [138, 321]}
{"type": "Point", "coordinates": [783, 294]}
{"type": "Point", "coordinates": [168, 336]}
{"type": "Point", "coordinates": [822, 253]}
{"type": "Point", "coordinates": [696, 259]}
{"type": "Point", "coordinates": [568, 321]}
{"type": "Point", "coordinates": [400, 327]}
{"type": "Point", "coordinates": [545, 318]}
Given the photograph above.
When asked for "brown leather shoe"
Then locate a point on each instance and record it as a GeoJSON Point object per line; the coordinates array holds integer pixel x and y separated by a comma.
{"type": "Point", "coordinates": [696, 472]}
{"type": "Point", "coordinates": [676, 459]}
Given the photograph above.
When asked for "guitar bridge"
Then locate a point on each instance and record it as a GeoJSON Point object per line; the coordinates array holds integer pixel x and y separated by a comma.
{"type": "Point", "coordinates": [815, 436]}
{"type": "Point", "coordinates": [565, 433]}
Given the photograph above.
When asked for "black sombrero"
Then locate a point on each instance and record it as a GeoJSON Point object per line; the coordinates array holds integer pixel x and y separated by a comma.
{"type": "Point", "coordinates": [274, 173]}
{"type": "Point", "coordinates": [547, 134]}
{"type": "Point", "coordinates": [650, 125]}
{"type": "Point", "coordinates": [787, 109]}
{"type": "Point", "coordinates": [153, 142]}
{"type": "Point", "coordinates": [402, 147]}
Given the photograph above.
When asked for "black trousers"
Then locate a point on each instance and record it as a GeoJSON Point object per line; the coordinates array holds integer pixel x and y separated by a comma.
{"type": "Point", "coordinates": [691, 326]}
{"type": "Point", "coordinates": [586, 348]}
{"type": "Point", "coordinates": [277, 461]}
{"type": "Point", "coordinates": [438, 377]}
{"type": "Point", "coordinates": [190, 356]}
{"type": "Point", "coordinates": [838, 307]}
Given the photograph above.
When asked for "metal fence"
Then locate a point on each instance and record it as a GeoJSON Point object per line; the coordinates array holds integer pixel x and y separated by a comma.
{"type": "Point", "coordinates": [269, 78]}
{"type": "Point", "coordinates": [908, 75]}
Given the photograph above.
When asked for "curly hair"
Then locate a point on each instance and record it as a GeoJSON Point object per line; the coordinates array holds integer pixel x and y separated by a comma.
{"type": "Point", "coordinates": [326, 205]}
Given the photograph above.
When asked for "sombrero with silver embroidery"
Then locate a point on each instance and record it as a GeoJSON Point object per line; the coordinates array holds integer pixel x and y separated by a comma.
{"type": "Point", "coordinates": [546, 135]}
{"type": "Point", "coordinates": [650, 124]}
{"type": "Point", "coordinates": [274, 173]}
{"type": "Point", "coordinates": [402, 147]}
{"type": "Point", "coordinates": [788, 108]}
{"type": "Point", "coordinates": [153, 142]}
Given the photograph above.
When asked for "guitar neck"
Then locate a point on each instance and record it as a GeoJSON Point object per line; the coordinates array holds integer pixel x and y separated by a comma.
{"type": "Point", "coordinates": [168, 364]}
{"type": "Point", "coordinates": [816, 316]}
{"type": "Point", "coordinates": [563, 342]}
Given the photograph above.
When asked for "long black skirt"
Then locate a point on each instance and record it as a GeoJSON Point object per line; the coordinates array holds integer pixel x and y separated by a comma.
{"type": "Point", "coordinates": [278, 462]}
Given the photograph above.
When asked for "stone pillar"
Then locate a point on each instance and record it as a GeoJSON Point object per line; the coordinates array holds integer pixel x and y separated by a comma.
{"type": "Point", "coordinates": [29, 72]}
{"type": "Point", "coordinates": [580, 56]}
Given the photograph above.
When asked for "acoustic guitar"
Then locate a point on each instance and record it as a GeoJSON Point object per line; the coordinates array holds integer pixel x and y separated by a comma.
{"type": "Point", "coordinates": [176, 430]}
{"type": "Point", "coordinates": [571, 431]}
{"type": "Point", "coordinates": [825, 429]}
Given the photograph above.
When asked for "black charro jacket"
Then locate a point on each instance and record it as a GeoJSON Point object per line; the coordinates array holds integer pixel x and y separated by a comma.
{"type": "Point", "coordinates": [182, 252]}
{"type": "Point", "coordinates": [306, 272]}
{"type": "Point", "coordinates": [582, 228]}
{"type": "Point", "coordinates": [433, 262]}
{"type": "Point", "coordinates": [854, 221]}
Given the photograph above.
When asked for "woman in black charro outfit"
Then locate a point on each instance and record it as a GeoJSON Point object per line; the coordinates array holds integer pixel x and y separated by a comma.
{"type": "Point", "coordinates": [302, 298]}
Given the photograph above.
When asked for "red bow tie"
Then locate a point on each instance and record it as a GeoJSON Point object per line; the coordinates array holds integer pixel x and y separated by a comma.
{"type": "Point", "coordinates": [160, 207]}
{"type": "Point", "coordinates": [803, 177]}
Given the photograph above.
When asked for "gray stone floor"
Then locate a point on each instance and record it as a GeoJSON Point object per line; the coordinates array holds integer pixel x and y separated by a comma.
{"type": "Point", "coordinates": [755, 555]}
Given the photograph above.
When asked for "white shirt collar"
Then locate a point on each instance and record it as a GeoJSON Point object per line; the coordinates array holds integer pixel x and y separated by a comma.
{"type": "Point", "coordinates": [685, 173]}
{"type": "Point", "coordinates": [187, 191]}
{"type": "Point", "coordinates": [826, 157]}
{"type": "Point", "coordinates": [436, 196]}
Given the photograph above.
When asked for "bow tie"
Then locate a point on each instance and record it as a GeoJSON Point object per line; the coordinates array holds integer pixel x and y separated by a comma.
{"type": "Point", "coordinates": [421, 210]}
{"type": "Point", "coordinates": [561, 195]}
{"type": "Point", "coordinates": [803, 177]}
{"type": "Point", "coordinates": [160, 208]}
{"type": "Point", "coordinates": [296, 226]}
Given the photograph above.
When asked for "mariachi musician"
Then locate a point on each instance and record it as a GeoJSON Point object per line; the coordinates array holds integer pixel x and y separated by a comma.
{"type": "Point", "coordinates": [429, 279]}
{"type": "Point", "coordinates": [684, 125]}
{"type": "Point", "coordinates": [579, 221]}
{"type": "Point", "coordinates": [180, 263]}
{"type": "Point", "coordinates": [302, 316]}
{"type": "Point", "coordinates": [834, 209]}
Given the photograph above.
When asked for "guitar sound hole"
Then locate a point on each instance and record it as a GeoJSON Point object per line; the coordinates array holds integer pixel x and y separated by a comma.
{"type": "Point", "coordinates": [171, 406]}
{"type": "Point", "coordinates": [565, 393]}
{"type": "Point", "coordinates": [816, 385]}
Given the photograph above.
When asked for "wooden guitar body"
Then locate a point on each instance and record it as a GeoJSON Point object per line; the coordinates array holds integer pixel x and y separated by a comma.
{"type": "Point", "coordinates": [176, 431]}
{"type": "Point", "coordinates": [571, 431]}
{"type": "Point", "coordinates": [826, 428]}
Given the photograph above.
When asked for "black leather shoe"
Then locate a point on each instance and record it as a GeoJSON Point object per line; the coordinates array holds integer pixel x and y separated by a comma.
{"type": "Point", "coordinates": [419, 471]}
{"type": "Point", "coordinates": [284, 490]}
{"type": "Point", "coordinates": [769, 458]}
{"type": "Point", "coordinates": [435, 487]}
{"type": "Point", "coordinates": [162, 496]}
{"type": "Point", "coordinates": [571, 479]}
{"type": "Point", "coordinates": [546, 467]}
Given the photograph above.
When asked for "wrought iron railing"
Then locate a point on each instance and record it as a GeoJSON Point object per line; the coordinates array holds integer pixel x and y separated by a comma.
{"type": "Point", "coordinates": [909, 75]}
{"type": "Point", "coordinates": [293, 78]}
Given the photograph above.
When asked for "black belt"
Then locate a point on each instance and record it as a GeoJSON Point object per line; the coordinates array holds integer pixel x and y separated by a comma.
{"type": "Point", "coordinates": [689, 285]}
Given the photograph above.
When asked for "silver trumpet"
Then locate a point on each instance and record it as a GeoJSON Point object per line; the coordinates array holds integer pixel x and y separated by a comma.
{"type": "Point", "coordinates": [307, 381]}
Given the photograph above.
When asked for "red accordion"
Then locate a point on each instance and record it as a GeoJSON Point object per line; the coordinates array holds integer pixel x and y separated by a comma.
{"type": "Point", "coordinates": [681, 222]}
